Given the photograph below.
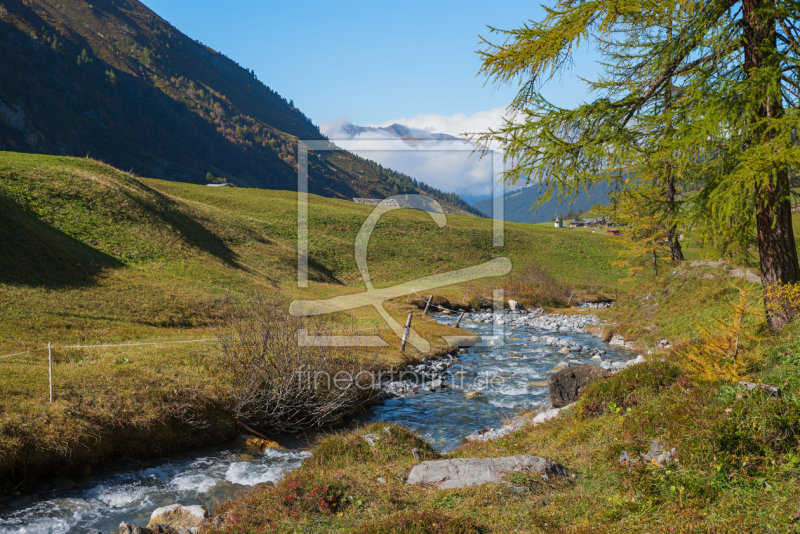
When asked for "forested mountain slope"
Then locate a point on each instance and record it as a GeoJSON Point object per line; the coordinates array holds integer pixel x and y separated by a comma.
{"type": "Point", "coordinates": [518, 204]}
{"type": "Point", "coordinates": [114, 80]}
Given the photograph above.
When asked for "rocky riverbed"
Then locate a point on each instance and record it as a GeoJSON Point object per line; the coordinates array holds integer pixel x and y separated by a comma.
{"type": "Point", "coordinates": [446, 399]}
{"type": "Point", "coordinates": [433, 375]}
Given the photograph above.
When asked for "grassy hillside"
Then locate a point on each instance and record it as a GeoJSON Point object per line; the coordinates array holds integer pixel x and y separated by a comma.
{"type": "Point", "coordinates": [113, 80]}
{"type": "Point", "coordinates": [76, 230]}
{"type": "Point", "coordinates": [93, 255]}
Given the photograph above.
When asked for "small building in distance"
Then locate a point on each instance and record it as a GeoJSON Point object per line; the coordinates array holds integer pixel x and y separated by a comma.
{"type": "Point", "coordinates": [377, 202]}
{"type": "Point", "coordinates": [217, 185]}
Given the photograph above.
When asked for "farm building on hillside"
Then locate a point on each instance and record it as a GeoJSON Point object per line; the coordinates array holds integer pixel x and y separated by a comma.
{"type": "Point", "coordinates": [377, 202]}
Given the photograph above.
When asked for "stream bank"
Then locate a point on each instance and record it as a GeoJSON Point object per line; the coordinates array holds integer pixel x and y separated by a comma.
{"type": "Point", "coordinates": [479, 389]}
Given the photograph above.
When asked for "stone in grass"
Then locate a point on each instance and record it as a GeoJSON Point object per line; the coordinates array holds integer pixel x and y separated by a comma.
{"type": "Point", "coordinates": [468, 472]}
{"type": "Point", "coordinates": [372, 439]}
{"type": "Point", "coordinates": [178, 516]}
{"type": "Point", "coordinates": [772, 391]}
{"type": "Point", "coordinates": [564, 386]}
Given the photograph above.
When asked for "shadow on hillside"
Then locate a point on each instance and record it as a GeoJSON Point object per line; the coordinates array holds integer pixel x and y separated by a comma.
{"type": "Point", "coordinates": [33, 253]}
{"type": "Point", "coordinates": [192, 230]}
{"type": "Point", "coordinates": [318, 272]}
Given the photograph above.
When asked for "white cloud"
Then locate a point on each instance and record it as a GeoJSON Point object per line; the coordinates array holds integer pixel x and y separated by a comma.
{"type": "Point", "coordinates": [458, 124]}
{"type": "Point", "coordinates": [446, 165]}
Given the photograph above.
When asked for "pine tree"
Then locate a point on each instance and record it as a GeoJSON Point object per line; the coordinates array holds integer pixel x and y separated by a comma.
{"type": "Point", "coordinates": [644, 235]}
{"type": "Point", "coordinates": [701, 95]}
{"type": "Point", "coordinates": [83, 58]}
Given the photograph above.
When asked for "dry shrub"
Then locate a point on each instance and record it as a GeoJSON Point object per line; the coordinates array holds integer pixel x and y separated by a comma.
{"type": "Point", "coordinates": [276, 383]}
{"type": "Point", "coordinates": [727, 348]}
{"type": "Point", "coordinates": [532, 285]}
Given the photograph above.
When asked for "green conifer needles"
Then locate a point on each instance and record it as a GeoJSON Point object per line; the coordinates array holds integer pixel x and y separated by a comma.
{"type": "Point", "coordinates": [698, 99]}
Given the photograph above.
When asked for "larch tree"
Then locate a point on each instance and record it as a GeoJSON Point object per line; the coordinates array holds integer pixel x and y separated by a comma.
{"type": "Point", "coordinates": [697, 97]}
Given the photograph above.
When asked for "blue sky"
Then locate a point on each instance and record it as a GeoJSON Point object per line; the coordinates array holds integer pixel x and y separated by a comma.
{"type": "Point", "coordinates": [375, 63]}
{"type": "Point", "coordinates": [371, 62]}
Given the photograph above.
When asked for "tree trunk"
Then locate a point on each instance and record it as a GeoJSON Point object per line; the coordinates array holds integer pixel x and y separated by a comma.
{"type": "Point", "coordinates": [674, 245]}
{"type": "Point", "coordinates": [776, 246]}
{"type": "Point", "coordinates": [655, 263]}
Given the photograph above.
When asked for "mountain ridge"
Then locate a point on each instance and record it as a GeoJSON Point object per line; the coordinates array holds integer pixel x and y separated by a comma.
{"type": "Point", "coordinates": [399, 130]}
{"type": "Point", "coordinates": [518, 204]}
{"type": "Point", "coordinates": [115, 81]}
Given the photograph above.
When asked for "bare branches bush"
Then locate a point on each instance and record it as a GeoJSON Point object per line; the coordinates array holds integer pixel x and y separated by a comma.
{"type": "Point", "coordinates": [533, 285]}
{"type": "Point", "coordinates": [275, 383]}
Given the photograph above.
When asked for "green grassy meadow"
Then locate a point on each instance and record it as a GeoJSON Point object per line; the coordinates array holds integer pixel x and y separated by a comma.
{"type": "Point", "coordinates": [91, 255]}
{"type": "Point", "coordinates": [94, 256]}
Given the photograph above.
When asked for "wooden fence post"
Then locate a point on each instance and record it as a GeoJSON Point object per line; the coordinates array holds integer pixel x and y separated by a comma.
{"type": "Point", "coordinates": [458, 322]}
{"type": "Point", "coordinates": [570, 298]}
{"type": "Point", "coordinates": [405, 333]}
{"type": "Point", "coordinates": [50, 365]}
{"type": "Point", "coordinates": [428, 305]}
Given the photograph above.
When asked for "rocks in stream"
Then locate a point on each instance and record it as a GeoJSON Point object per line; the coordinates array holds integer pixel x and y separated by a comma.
{"type": "Point", "coordinates": [430, 375]}
{"type": "Point", "coordinates": [601, 304]}
{"type": "Point", "coordinates": [469, 472]}
{"type": "Point", "coordinates": [541, 415]}
{"type": "Point", "coordinates": [533, 318]}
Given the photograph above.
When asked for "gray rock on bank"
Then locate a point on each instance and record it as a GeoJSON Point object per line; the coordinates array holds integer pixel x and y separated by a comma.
{"type": "Point", "coordinates": [179, 517]}
{"type": "Point", "coordinates": [565, 385]}
{"type": "Point", "coordinates": [468, 472]}
{"type": "Point", "coordinates": [541, 415]}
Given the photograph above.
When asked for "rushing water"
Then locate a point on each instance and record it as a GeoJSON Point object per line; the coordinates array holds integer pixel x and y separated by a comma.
{"type": "Point", "coordinates": [100, 503]}
{"type": "Point", "coordinates": [507, 383]}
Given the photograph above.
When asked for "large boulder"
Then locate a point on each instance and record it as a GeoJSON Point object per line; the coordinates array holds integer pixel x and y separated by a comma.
{"type": "Point", "coordinates": [178, 516]}
{"type": "Point", "coordinates": [565, 385]}
{"type": "Point", "coordinates": [467, 472]}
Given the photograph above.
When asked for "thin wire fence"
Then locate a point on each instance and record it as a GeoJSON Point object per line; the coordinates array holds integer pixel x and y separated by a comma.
{"type": "Point", "coordinates": [49, 348]}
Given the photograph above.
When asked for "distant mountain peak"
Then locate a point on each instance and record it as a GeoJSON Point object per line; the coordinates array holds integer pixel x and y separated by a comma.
{"type": "Point", "coordinates": [400, 131]}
